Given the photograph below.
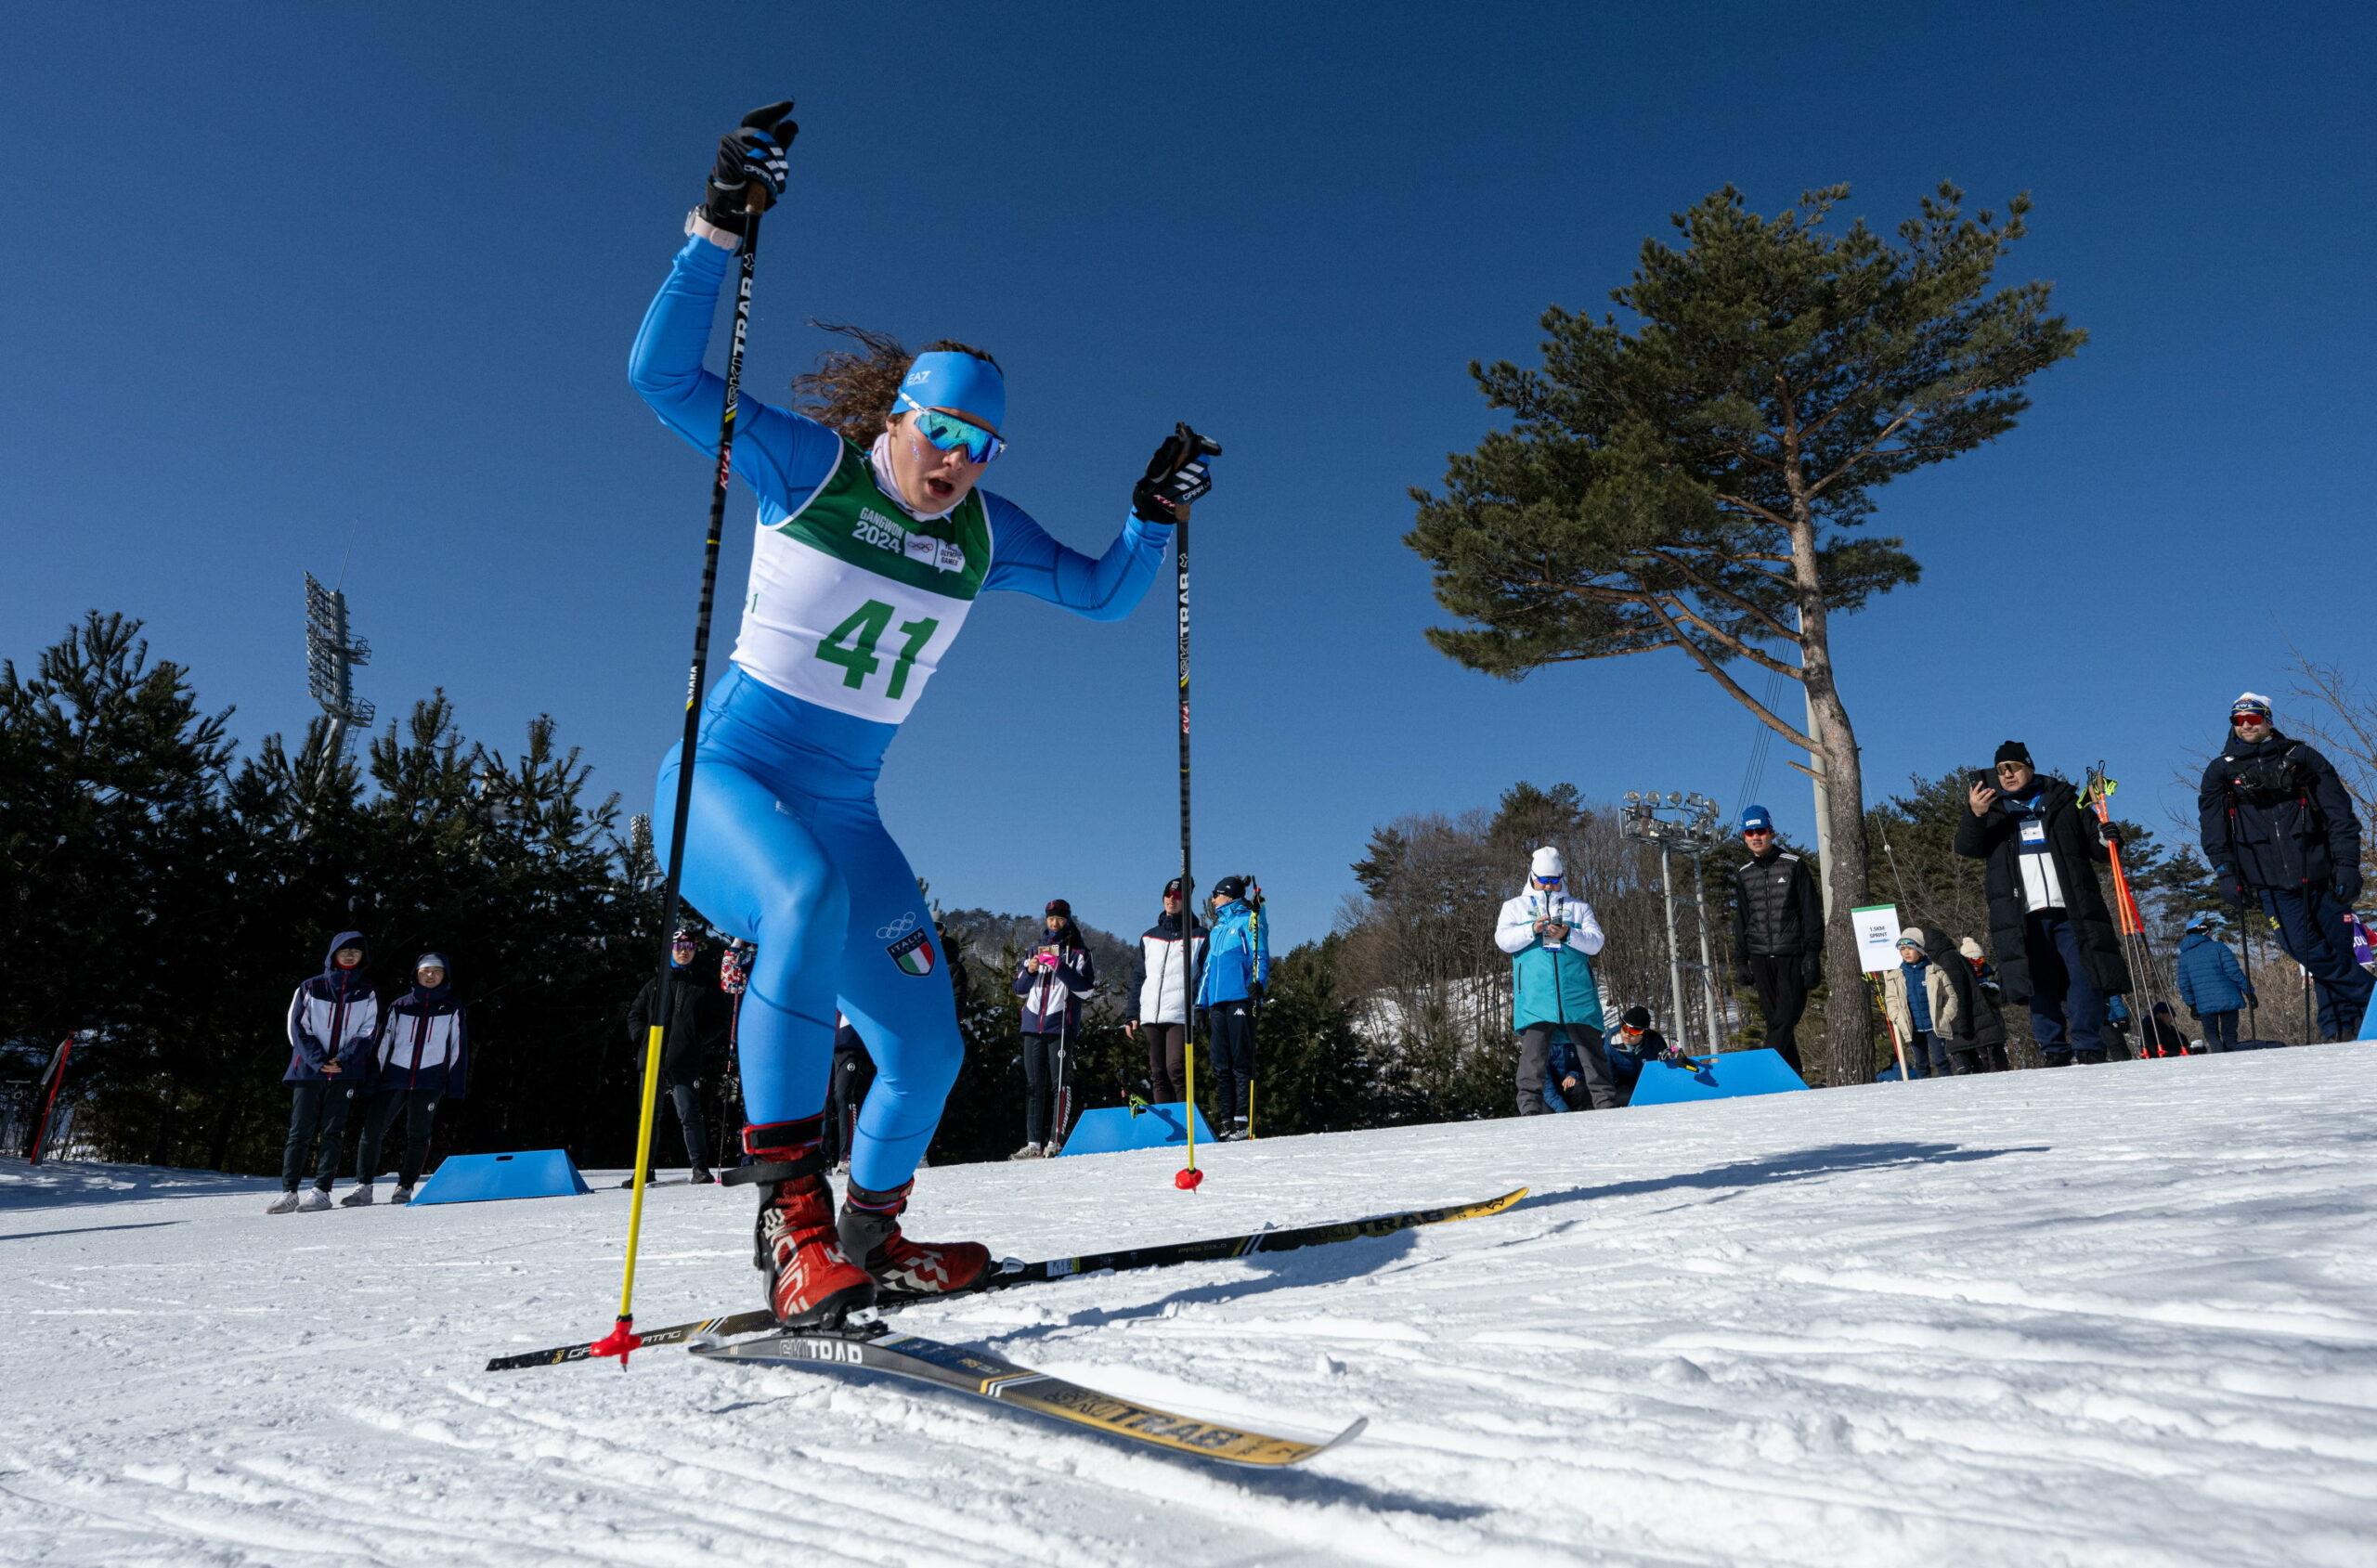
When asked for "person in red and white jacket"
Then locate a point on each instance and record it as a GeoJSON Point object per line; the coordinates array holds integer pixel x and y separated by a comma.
{"type": "Point", "coordinates": [332, 1021]}
{"type": "Point", "coordinates": [422, 1057]}
{"type": "Point", "coordinates": [1053, 979]}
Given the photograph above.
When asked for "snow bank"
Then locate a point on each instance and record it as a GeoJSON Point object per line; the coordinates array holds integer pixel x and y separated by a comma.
{"type": "Point", "coordinates": [2121, 1315]}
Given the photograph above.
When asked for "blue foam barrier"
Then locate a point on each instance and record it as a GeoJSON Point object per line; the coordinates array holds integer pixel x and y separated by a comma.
{"type": "Point", "coordinates": [1717, 1078]}
{"type": "Point", "coordinates": [1157, 1126]}
{"type": "Point", "coordinates": [480, 1178]}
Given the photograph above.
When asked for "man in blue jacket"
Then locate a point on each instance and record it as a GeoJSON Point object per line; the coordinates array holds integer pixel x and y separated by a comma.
{"type": "Point", "coordinates": [2280, 831]}
{"type": "Point", "coordinates": [2212, 984]}
{"type": "Point", "coordinates": [332, 1020]}
{"type": "Point", "coordinates": [1238, 968]}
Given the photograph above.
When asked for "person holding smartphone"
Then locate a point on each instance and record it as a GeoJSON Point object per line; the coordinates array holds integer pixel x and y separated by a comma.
{"type": "Point", "coordinates": [2057, 946]}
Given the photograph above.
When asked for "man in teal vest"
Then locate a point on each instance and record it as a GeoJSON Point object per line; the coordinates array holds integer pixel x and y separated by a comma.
{"type": "Point", "coordinates": [1551, 938]}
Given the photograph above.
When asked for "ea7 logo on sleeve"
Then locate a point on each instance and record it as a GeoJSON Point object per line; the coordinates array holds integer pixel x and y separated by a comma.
{"type": "Point", "coordinates": [913, 953]}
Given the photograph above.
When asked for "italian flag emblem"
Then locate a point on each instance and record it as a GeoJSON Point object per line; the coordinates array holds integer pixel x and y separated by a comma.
{"type": "Point", "coordinates": [913, 953]}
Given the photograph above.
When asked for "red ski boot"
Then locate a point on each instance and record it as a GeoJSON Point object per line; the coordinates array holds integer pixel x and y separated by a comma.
{"type": "Point", "coordinates": [870, 1232]}
{"type": "Point", "coordinates": [811, 1283]}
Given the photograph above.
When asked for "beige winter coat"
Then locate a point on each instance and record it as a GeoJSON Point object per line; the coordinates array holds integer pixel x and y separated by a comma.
{"type": "Point", "coordinates": [1936, 988]}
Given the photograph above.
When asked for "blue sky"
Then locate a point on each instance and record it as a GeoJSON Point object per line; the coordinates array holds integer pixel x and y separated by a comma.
{"type": "Point", "coordinates": [303, 287]}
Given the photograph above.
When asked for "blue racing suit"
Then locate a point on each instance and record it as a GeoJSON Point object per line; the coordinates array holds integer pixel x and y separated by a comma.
{"type": "Point", "coordinates": [787, 847]}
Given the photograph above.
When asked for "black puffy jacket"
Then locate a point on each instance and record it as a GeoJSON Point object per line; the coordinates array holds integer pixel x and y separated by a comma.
{"type": "Point", "coordinates": [2274, 812]}
{"type": "Point", "coordinates": [698, 1023]}
{"type": "Point", "coordinates": [2072, 839]}
{"type": "Point", "coordinates": [1777, 909]}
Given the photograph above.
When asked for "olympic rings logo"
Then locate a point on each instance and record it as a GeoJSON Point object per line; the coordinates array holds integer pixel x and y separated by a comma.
{"type": "Point", "coordinates": [897, 929]}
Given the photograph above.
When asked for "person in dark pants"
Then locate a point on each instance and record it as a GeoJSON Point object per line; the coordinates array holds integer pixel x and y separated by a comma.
{"type": "Point", "coordinates": [697, 1020]}
{"type": "Point", "coordinates": [421, 1058]}
{"type": "Point", "coordinates": [1229, 997]}
{"type": "Point", "coordinates": [2213, 985]}
{"type": "Point", "coordinates": [2280, 831]}
{"type": "Point", "coordinates": [332, 1021]}
{"type": "Point", "coordinates": [1778, 932]}
{"type": "Point", "coordinates": [853, 1076]}
{"type": "Point", "coordinates": [2057, 946]}
{"type": "Point", "coordinates": [1053, 979]}
{"type": "Point", "coordinates": [1988, 1021]}
{"type": "Point", "coordinates": [1159, 1007]}
{"type": "Point", "coordinates": [1551, 938]}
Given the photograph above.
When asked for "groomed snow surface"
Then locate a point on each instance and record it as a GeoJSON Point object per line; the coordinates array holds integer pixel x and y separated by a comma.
{"type": "Point", "coordinates": [2117, 1315]}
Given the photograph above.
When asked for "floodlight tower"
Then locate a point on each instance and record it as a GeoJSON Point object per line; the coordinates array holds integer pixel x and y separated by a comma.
{"type": "Point", "coordinates": [332, 653]}
{"type": "Point", "coordinates": [1686, 825]}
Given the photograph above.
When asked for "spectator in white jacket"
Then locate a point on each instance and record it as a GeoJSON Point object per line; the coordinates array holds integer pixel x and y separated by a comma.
{"type": "Point", "coordinates": [1159, 996]}
{"type": "Point", "coordinates": [1552, 939]}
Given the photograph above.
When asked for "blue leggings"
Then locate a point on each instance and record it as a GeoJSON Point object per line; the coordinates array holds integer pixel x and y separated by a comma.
{"type": "Point", "coordinates": [788, 850]}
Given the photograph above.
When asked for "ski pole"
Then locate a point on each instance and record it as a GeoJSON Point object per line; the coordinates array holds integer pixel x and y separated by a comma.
{"type": "Point", "coordinates": [623, 1338]}
{"type": "Point", "coordinates": [1187, 1177]}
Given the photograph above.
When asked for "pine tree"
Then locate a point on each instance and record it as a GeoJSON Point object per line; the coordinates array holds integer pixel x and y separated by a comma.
{"type": "Point", "coordinates": [1693, 479]}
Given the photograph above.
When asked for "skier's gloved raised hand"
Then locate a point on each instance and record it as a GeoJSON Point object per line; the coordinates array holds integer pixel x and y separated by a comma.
{"type": "Point", "coordinates": [751, 154]}
{"type": "Point", "coordinates": [1175, 476]}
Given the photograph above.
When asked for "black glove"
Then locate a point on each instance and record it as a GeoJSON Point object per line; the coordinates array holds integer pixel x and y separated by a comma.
{"type": "Point", "coordinates": [1745, 977]}
{"type": "Point", "coordinates": [2111, 834]}
{"type": "Point", "coordinates": [2348, 886]}
{"type": "Point", "coordinates": [2231, 884]}
{"type": "Point", "coordinates": [1811, 970]}
{"type": "Point", "coordinates": [753, 153]}
{"type": "Point", "coordinates": [1254, 994]}
{"type": "Point", "coordinates": [1176, 478]}
{"type": "Point", "coordinates": [1205, 1019]}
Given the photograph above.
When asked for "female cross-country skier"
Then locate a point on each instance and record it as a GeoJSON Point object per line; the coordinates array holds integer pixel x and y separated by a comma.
{"type": "Point", "coordinates": [873, 544]}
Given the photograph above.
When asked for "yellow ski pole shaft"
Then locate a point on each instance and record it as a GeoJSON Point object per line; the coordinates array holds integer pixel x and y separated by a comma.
{"type": "Point", "coordinates": [643, 1159]}
{"type": "Point", "coordinates": [623, 1338]}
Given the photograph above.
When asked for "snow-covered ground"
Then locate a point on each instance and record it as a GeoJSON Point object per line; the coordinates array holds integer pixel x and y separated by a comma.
{"type": "Point", "coordinates": [2123, 1315]}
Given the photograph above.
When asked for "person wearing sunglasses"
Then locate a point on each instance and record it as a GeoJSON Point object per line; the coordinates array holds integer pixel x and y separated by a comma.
{"type": "Point", "coordinates": [1552, 939]}
{"type": "Point", "coordinates": [2058, 948]}
{"type": "Point", "coordinates": [875, 541]}
{"type": "Point", "coordinates": [1778, 932]}
{"type": "Point", "coordinates": [2280, 834]}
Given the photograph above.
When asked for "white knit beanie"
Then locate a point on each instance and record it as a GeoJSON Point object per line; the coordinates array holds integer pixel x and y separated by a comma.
{"type": "Point", "coordinates": [1547, 863]}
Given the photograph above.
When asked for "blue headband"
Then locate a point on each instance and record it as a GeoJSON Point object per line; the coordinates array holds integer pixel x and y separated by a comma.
{"type": "Point", "coordinates": [947, 379]}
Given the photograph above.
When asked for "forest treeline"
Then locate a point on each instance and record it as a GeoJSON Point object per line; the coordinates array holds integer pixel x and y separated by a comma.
{"type": "Point", "coordinates": [166, 888]}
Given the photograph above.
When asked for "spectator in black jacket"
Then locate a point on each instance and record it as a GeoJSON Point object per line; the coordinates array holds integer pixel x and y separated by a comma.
{"type": "Point", "coordinates": [2280, 831]}
{"type": "Point", "coordinates": [1988, 1021]}
{"type": "Point", "coordinates": [422, 1057]}
{"type": "Point", "coordinates": [696, 1021]}
{"type": "Point", "coordinates": [1778, 932]}
{"type": "Point", "coordinates": [2057, 946]}
{"type": "Point", "coordinates": [1053, 979]}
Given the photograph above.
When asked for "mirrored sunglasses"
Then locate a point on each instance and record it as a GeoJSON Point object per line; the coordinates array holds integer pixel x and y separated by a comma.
{"type": "Point", "coordinates": [947, 432]}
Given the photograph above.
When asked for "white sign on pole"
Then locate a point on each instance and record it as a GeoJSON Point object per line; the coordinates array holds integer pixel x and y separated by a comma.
{"type": "Point", "coordinates": [1876, 927]}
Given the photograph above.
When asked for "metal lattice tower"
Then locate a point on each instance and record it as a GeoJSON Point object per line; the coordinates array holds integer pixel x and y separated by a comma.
{"type": "Point", "coordinates": [332, 653]}
{"type": "Point", "coordinates": [1684, 825]}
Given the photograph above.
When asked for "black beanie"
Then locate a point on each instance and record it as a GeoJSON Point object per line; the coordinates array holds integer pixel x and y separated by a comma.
{"type": "Point", "coordinates": [2013, 751]}
{"type": "Point", "coordinates": [1635, 1017]}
